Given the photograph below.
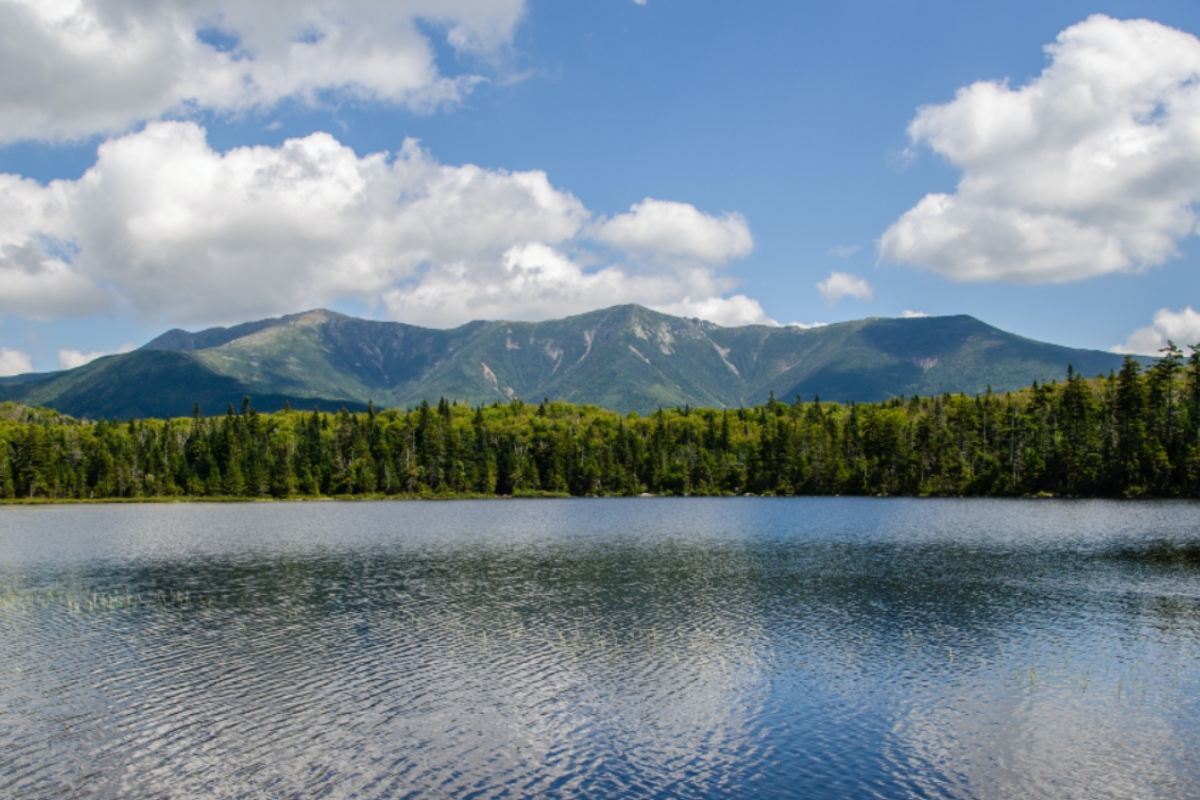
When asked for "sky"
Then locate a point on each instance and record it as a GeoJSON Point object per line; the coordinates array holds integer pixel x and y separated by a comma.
{"type": "Point", "coordinates": [190, 163]}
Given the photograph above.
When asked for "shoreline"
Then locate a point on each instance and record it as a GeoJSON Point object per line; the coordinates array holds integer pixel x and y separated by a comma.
{"type": "Point", "coordinates": [70, 501]}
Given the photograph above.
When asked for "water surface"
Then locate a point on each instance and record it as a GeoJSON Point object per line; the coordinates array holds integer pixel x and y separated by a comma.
{"type": "Point", "coordinates": [601, 648]}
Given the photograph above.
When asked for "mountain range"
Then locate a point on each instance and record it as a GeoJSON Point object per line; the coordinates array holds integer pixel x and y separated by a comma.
{"type": "Point", "coordinates": [626, 358]}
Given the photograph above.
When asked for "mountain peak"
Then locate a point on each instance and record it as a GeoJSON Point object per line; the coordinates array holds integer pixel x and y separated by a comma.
{"type": "Point", "coordinates": [317, 316]}
{"type": "Point", "coordinates": [181, 340]}
{"type": "Point", "coordinates": [314, 316]}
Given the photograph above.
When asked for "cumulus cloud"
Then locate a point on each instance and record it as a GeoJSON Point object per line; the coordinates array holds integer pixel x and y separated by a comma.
{"type": "Point", "coordinates": [1180, 327]}
{"type": "Point", "coordinates": [69, 359]}
{"type": "Point", "coordinates": [14, 362]}
{"type": "Point", "coordinates": [668, 230]}
{"type": "Point", "coordinates": [1092, 167]}
{"type": "Point", "coordinates": [171, 230]}
{"type": "Point", "coordinates": [736, 310]}
{"type": "Point", "coordinates": [909, 314]}
{"type": "Point", "coordinates": [35, 280]}
{"type": "Point", "coordinates": [843, 284]}
{"type": "Point", "coordinates": [71, 68]}
{"type": "Point", "coordinates": [537, 281]}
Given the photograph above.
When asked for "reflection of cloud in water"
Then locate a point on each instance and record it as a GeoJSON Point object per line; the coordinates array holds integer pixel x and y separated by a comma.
{"type": "Point", "coordinates": [1041, 724]}
{"type": "Point", "coordinates": [608, 648]}
{"type": "Point", "coordinates": [567, 699]}
{"type": "Point", "coordinates": [1039, 746]}
{"type": "Point", "coordinates": [475, 670]}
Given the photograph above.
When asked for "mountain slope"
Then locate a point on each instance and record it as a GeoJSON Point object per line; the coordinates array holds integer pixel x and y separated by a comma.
{"type": "Point", "coordinates": [152, 383]}
{"type": "Point", "coordinates": [627, 358]}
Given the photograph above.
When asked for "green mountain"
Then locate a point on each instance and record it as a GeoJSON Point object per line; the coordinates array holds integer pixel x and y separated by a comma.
{"type": "Point", "coordinates": [627, 358]}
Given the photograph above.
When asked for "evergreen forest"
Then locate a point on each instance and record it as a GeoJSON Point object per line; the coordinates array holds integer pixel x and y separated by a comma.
{"type": "Point", "coordinates": [1135, 432]}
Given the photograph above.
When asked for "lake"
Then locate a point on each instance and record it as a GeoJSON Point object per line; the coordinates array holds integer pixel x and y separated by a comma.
{"type": "Point", "coordinates": [661, 648]}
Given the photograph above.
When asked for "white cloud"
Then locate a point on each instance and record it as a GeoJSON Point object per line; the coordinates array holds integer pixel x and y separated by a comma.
{"type": "Point", "coordinates": [908, 314]}
{"type": "Point", "coordinates": [1181, 327]}
{"type": "Point", "coordinates": [71, 68]}
{"type": "Point", "coordinates": [536, 281]}
{"type": "Point", "coordinates": [843, 284]}
{"type": "Point", "coordinates": [69, 359]}
{"type": "Point", "coordinates": [40, 286]}
{"type": "Point", "coordinates": [665, 229]}
{"type": "Point", "coordinates": [736, 310]}
{"type": "Point", "coordinates": [165, 227]}
{"type": "Point", "coordinates": [844, 250]}
{"type": "Point", "coordinates": [14, 362]}
{"type": "Point", "coordinates": [35, 281]}
{"type": "Point", "coordinates": [1093, 167]}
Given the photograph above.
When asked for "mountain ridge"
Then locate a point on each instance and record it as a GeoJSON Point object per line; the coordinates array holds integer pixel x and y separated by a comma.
{"type": "Point", "coordinates": [628, 358]}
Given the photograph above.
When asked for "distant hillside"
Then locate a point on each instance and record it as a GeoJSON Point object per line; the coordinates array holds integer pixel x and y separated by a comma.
{"type": "Point", "coordinates": [626, 358]}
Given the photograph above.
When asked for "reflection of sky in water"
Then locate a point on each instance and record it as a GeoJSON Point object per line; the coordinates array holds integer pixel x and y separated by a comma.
{"type": "Point", "coordinates": [694, 648]}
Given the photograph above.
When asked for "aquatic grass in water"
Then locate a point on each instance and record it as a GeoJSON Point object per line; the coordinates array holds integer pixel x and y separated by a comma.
{"type": "Point", "coordinates": [600, 648]}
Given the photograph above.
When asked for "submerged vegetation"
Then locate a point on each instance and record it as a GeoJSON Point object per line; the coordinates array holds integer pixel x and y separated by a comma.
{"type": "Point", "coordinates": [1136, 432]}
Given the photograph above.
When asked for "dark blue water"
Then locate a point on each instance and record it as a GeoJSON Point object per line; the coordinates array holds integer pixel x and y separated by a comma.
{"type": "Point", "coordinates": [601, 648]}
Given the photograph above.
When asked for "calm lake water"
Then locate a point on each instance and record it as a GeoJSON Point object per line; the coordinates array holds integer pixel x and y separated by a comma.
{"type": "Point", "coordinates": [687, 648]}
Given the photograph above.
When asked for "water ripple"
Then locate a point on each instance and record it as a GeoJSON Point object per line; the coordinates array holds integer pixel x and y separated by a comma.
{"type": "Point", "coordinates": [708, 649]}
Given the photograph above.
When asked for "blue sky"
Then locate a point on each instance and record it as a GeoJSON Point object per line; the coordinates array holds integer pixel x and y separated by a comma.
{"type": "Point", "coordinates": [204, 162]}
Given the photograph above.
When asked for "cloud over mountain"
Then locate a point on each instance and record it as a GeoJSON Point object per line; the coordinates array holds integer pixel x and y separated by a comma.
{"type": "Point", "coordinates": [14, 362]}
{"type": "Point", "coordinates": [168, 228]}
{"type": "Point", "coordinates": [666, 229]}
{"type": "Point", "coordinates": [1092, 167]}
{"type": "Point", "coordinates": [843, 284]}
{"type": "Point", "coordinates": [1180, 327]}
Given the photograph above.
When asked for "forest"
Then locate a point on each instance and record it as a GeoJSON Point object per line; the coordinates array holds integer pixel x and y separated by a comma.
{"type": "Point", "coordinates": [1132, 433]}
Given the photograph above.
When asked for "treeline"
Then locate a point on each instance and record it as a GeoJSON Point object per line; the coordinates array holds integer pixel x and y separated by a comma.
{"type": "Point", "coordinates": [1133, 433]}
